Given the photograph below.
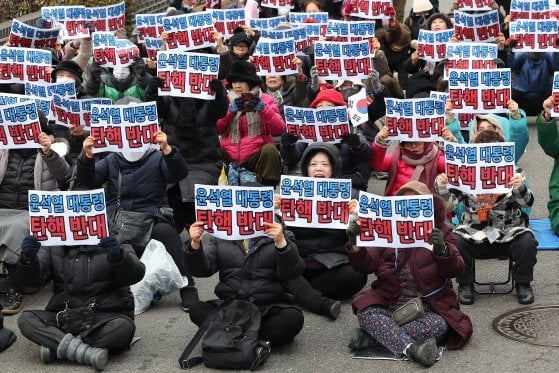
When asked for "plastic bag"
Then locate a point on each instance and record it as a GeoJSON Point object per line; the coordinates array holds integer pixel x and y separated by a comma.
{"type": "Point", "coordinates": [161, 275]}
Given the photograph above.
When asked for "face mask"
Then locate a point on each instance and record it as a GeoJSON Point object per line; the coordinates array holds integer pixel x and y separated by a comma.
{"type": "Point", "coordinates": [133, 157]}
{"type": "Point", "coordinates": [121, 73]}
{"type": "Point", "coordinates": [421, 21]}
{"type": "Point", "coordinates": [65, 79]}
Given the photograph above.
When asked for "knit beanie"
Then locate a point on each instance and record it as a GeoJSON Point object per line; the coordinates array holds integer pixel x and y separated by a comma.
{"type": "Point", "coordinates": [330, 95]}
{"type": "Point", "coordinates": [70, 66]}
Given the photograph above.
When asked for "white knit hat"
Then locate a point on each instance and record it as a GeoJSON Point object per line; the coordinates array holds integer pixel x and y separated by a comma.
{"type": "Point", "coordinates": [421, 6]}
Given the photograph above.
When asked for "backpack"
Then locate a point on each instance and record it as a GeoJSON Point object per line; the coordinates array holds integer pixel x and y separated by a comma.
{"type": "Point", "coordinates": [229, 338]}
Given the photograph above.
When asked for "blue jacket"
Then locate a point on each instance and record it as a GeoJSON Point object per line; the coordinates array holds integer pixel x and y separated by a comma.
{"type": "Point", "coordinates": [533, 77]}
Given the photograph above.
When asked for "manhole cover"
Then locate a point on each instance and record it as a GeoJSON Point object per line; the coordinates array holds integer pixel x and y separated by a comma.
{"type": "Point", "coordinates": [534, 325]}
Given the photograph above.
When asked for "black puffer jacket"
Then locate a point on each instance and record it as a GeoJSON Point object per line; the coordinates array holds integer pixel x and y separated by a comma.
{"type": "Point", "coordinates": [91, 278]}
{"type": "Point", "coordinates": [327, 246]}
{"type": "Point", "coordinates": [259, 275]}
{"type": "Point", "coordinates": [143, 184]}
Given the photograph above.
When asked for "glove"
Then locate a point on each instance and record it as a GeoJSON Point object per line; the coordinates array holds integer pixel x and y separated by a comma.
{"type": "Point", "coordinates": [512, 44]}
{"type": "Point", "coordinates": [29, 248]}
{"type": "Point", "coordinates": [236, 105]}
{"type": "Point", "coordinates": [96, 71]}
{"type": "Point", "coordinates": [257, 104]}
{"type": "Point", "coordinates": [352, 140]}
{"type": "Point", "coordinates": [43, 23]}
{"type": "Point", "coordinates": [288, 140]}
{"type": "Point", "coordinates": [436, 239]}
{"type": "Point", "coordinates": [112, 247]}
{"type": "Point", "coordinates": [353, 230]}
{"type": "Point", "coordinates": [217, 86]}
{"type": "Point", "coordinates": [375, 81]}
{"type": "Point", "coordinates": [139, 67]}
{"type": "Point", "coordinates": [154, 83]}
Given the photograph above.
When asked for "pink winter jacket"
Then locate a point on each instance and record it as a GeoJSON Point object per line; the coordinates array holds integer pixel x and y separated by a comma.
{"type": "Point", "coordinates": [272, 125]}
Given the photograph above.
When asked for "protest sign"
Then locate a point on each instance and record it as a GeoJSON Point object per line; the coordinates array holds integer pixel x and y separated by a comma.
{"type": "Point", "coordinates": [234, 212]}
{"type": "Point", "coordinates": [189, 31]}
{"type": "Point", "coordinates": [72, 112]}
{"type": "Point", "coordinates": [480, 168]}
{"type": "Point", "coordinates": [555, 94]}
{"type": "Point", "coordinates": [535, 35]}
{"type": "Point", "coordinates": [26, 36]}
{"type": "Point", "coordinates": [344, 31]}
{"type": "Point", "coordinates": [480, 91]}
{"type": "Point", "coordinates": [187, 74]}
{"type": "Point", "coordinates": [153, 45]}
{"type": "Point", "coordinates": [398, 222]}
{"type": "Point", "coordinates": [476, 5]}
{"type": "Point", "coordinates": [358, 107]}
{"type": "Point", "coordinates": [463, 118]}
{"type": "Point", "coordinates": [73, 18]}
{"type": "Point", "coordinates": [329, 124]}
{"type": "Point", "coordinates": [42, 104]}
{"type": "Point", "coordinates": [266, 23]}
{"type": "Point", "coordinates": [19, 126]}
{"type": "Point", "coordinates": [111, 52]}
{"type": "Point", "coordinates": [372, 9]}
{"type": "Point", "coordinates": [277, 4]}
{"type": "Point", "coordinates": [476, 27]}
{"type": "Point", "coordinates": [149, 26]}
{"type": "Point", "coordinates": [431, 45]}
{"type": "Point", "coordinates": [222, 4]}
{"type": "Point", "coordinates": [300, 17]}
{"type": "Point", "coordinates": [315, 202]}
{"type": "Point", "coordinates": [109, 18]}
{"type": "Point", "coordinates": [335, 61]}
{"type": "Point", "coordinates": [298, 34]}
{"type": "Point", "coordinates": [275, 57]}
{"type": "Point", "coordinates": [467, 56]}
{"type": "Point", "coordinates": [120, 128]}
{"type": "Point", "coordinates": [313, 31]}
{"type": "Point", "coordinates": [415, 119]}
{"type": "Point", "coordinates": [227, 20]}
{"type": "Point", "coordinates": [43, 94]}
{"type": "Point", "coordinates": [20, 65]}
{"type": "Point", "coordinates": [530, 9]}
{"type": "Point", "coordinates": [68, 218]}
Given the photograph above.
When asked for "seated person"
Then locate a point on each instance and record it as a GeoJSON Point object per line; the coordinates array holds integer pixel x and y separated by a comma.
{"type": "Point", "coordinates": [254, 269]}
{"type": "Point", "coordinates": [247, 128]}
{"type": "Point", "coordinates": [402, 274]}
{"type": "Point", "coordinates": [112, 266]}
{"type": "Point", "coordinates": [494, 225]}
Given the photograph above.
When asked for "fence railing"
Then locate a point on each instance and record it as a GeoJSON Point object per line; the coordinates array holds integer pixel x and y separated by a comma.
{"type": "Point", "coordinates": [152, 6]}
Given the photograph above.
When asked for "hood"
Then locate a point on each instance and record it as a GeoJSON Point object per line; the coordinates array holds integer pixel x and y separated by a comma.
{"type": "Point", "coordinates": [333, 154]}
{"type": "Point", "coordinates": [491, 118]}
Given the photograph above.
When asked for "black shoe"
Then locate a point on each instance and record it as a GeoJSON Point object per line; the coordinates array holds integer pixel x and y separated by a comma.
{"type": "Point", "coordinates": [360, 340]}
{"type": "Point", "coordinates": [466, 294]}
{"type": "Point", "coordinates": [12, 303]}
{"type": "Point", "coordinates": [334, 310]}
{"type": "Point", "coordinates": [380, 175]}
{"type": "Point", "coordinates": [425, 353]}
{"type": "Point", "coordinates": [524, 294]}
{"type": "Point", "coordinates": [189, 295]}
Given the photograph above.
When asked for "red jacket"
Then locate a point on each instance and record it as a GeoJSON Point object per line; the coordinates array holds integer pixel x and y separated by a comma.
{"type": "Point", "coordinates": [272, 125]}
{"type": "Point", "coordinates": [430, 273]}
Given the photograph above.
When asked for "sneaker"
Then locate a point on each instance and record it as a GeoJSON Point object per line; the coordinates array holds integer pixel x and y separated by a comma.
{"type": "Point", "coordinates": [334, 310]}
{"type": "Point", "coordinates": [466, 294]}
{"type": "Point", "coordinates": [425, 353]}
{"type": "Point", "coordinates": [524, 294]}
{"type": "Point", "coordinates": [360, 340]}
{"type": "Point", "coordinates": [189, 295]}
{"type": "Point", "coordinates": [12, 303]}
{"type": "Point", "coordinates": [47, 355]}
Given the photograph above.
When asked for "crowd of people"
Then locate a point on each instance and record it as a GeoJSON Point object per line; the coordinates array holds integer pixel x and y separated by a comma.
{"type": "Point", "coordinates": [242, 132]}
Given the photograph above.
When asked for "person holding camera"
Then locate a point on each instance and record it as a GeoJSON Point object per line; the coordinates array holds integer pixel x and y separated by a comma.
{"type": "Point", "coordinates": [402, 274]}
{"type": "Point", "coordinates": [91, 311]}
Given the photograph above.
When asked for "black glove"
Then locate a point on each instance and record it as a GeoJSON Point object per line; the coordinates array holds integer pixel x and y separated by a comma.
{"type": "Point", "coordinates": [217, 86]}
{"type": "Point", "coordinates": [437, 240]}
{"type": "Point", "coordinates": [112, 247]}
{"type": "Point", "coordinates": [353, 230]}
{"type": "Point", "coordinates": [352, 140]}
{"type": "Point", "coordinates": [512, 43]}
{"type": "Point", "coordinates": [29, 248]}
{"type": "Point", "coordinates": [154, 83]}
{"type": "Point", "coordinates": [288, 140]}
{"type": "Point", "coordinates": [96, 71]}
{"type": "Point", "coordinates": [139, 67]}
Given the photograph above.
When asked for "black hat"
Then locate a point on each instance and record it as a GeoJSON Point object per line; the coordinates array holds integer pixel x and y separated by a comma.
{"type": "Point", "coordinates": [70, 66]}
{"type": "Point", "coordinates": [239, 37]}
{"type": "Point", "coordinates": [244, 71]}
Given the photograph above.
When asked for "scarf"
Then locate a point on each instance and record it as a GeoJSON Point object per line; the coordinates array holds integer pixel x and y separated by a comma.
{"type": "Point", "coordinates": [253, 119]}
{"type": "Point", "coordinates": [277, 95]}
{"type": "Point", "coordinates": [425, 166]}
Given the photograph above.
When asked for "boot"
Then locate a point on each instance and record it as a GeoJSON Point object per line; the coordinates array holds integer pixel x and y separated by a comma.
{"type": "Point", "coordinates": [47, 355]}
{"type": "Point", "coordinates": [331, 308]}
{"type": "Point", "coordinates": [425, 353]}
{"type": "Point", "coordinates": [189, 295]}
{"type": "Point", "coordinates": [74, 349]}
{"type": "Point", "coordinates": [12, 303]}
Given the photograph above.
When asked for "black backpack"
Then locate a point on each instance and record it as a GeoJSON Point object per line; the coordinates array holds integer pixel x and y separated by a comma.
{"type": "Point", "coordinates": [229, 338]}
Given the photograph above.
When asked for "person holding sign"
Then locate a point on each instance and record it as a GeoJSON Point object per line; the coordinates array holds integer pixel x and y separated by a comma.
{"type": "Point", "coordinates": [22, 170]}
{"type": "Point", "coordinates": [251, 121]}
{"type": "Point", "coordinates": [256, 270]}
{"type": "Point", "coordinates": [493, 225]}
{"type": "Point", "coordinates": [402, 274]}
{"type": "Point", "coordinates": [98, 291]}
{"type": "Point", "coordinates": [137, 182]}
